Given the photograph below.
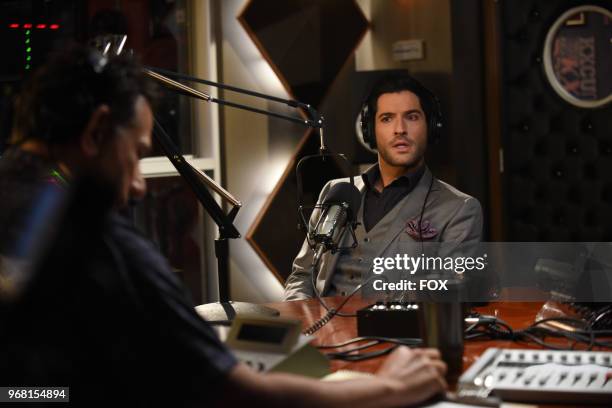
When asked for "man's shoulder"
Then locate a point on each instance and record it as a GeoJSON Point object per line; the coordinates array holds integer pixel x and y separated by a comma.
{"type": "Point", "coordinates": [131, 241]}
{"type": "Point", "coordinates": [452, 192]}
{"type": "Point", "coordinates": [144, 264]}
{"type": "Point", "coordinates": [453, 197]}
{"type": "Point", "coordinates": [140, 254]}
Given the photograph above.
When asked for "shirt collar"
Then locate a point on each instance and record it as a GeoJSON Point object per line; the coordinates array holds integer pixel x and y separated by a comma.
{"type": "Point", "coordinates": [373, 174]}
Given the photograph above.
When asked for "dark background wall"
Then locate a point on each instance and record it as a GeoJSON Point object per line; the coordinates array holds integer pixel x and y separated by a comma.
{"type": "Point", "coordinates": [557, 178]}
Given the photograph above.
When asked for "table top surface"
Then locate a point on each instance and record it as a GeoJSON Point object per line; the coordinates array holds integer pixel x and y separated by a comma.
{"type": "Point", "coordinates": [517, 314]}
{"type": "Point", "coordinates": [339, 329]}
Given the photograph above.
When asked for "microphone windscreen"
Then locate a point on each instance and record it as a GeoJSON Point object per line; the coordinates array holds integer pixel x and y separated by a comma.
{"type": "Point", "coordinates": [344, 192]}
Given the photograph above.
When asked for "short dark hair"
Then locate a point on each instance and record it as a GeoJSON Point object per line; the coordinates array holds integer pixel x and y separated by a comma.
{"type": "Point", "coordinates": [58, 101]}
{"type": "Point", "coordinates": [399, 82]}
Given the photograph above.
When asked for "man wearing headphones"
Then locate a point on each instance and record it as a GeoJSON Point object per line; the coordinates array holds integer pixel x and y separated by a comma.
{"type": "Point", "coordinates": [402, 202]}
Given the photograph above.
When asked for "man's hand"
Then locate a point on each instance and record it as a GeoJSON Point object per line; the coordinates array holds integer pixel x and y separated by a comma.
{"type": "Point", "coordinates": [416, 374]}
{"type": "Point", "coordinates": [407, 377]}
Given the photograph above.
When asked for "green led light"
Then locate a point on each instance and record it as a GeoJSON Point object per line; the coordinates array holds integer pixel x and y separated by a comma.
{"type": "Point", "coordinates": [28, 39]}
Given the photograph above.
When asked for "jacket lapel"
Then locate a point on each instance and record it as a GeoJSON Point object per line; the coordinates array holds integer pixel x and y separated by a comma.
{"type": "Point", "coordinates": [388, 229]}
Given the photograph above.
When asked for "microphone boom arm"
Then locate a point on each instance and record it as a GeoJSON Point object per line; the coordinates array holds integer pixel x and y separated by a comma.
{"type": "Point", "coordinates": [315, 121]}
{"type": "Point", "coordinates": [196, 179]}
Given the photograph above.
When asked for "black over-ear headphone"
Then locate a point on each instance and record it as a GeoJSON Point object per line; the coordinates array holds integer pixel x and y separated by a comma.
{"type": "Point", "coordinates": [434, 116]}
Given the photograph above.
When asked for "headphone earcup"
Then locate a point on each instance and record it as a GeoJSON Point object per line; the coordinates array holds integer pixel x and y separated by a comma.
{"type": "Point", "coordinates": [367, 126]}
{"type": "Point", "coordinates": [371, 132]}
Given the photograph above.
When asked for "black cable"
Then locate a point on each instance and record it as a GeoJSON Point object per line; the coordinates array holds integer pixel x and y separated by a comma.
{"type": "Point", "coordinates": [474, 335]}
{"type": "Point", "coordinates": [564, 333]}
{"type": "Point", "coordinates": [313, 328]}
{"type": "Point", "coordinates": [341, 305]}
{"type": "Point", "coordinates": [401, 341]}
{"type": "Point", "coordinates": [331, 312]}
{"type": "Point", "coordinates": [490, 327]}
{"type": "Point", "coordinates": [599, 332]}
{"type": "Point", "coordinates": [361, 357]}
{"type": "Point", "coordinates": [349, 355]}
{"type": "Point", "coordinates": [358, 348]}
{"type": "Point", "coordinates": [471, 327]}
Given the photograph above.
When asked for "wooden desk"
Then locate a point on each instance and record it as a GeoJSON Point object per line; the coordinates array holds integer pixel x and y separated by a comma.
{"type": "Point", "coordinates": [339, 329]}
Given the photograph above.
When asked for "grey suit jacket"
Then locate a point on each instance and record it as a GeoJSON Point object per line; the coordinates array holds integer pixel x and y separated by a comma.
{"type": "Point", "coordinates": [456, 216]}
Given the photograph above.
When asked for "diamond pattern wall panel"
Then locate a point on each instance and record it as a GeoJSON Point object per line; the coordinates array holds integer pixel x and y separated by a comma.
{"type": "Point", "coordinates": [306, 41]}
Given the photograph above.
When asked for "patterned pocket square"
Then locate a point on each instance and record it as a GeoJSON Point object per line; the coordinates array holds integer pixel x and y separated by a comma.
{"type": "Point", "coordinates": [427, 231]}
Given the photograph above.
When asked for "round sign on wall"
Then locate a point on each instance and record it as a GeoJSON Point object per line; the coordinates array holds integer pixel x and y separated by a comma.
{"type": "Point", "coordinates": [578, 56]}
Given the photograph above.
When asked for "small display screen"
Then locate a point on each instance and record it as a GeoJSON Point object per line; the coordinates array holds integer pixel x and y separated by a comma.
{"type": "Point", "coordinates": [262, 334]}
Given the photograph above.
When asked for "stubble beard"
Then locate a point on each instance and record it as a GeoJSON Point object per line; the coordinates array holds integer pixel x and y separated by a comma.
{"type": "Point", "coordinates": [410, 162]}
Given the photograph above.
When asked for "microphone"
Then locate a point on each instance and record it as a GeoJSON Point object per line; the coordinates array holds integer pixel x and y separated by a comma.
{"type": "Point", "coordinates": [339, 207]}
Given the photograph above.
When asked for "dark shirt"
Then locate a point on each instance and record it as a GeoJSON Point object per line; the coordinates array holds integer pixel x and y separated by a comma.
{"type": "Point", "coordinates": [378, 204]}
{"type": "Point", "coordinates": [104, 315]}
